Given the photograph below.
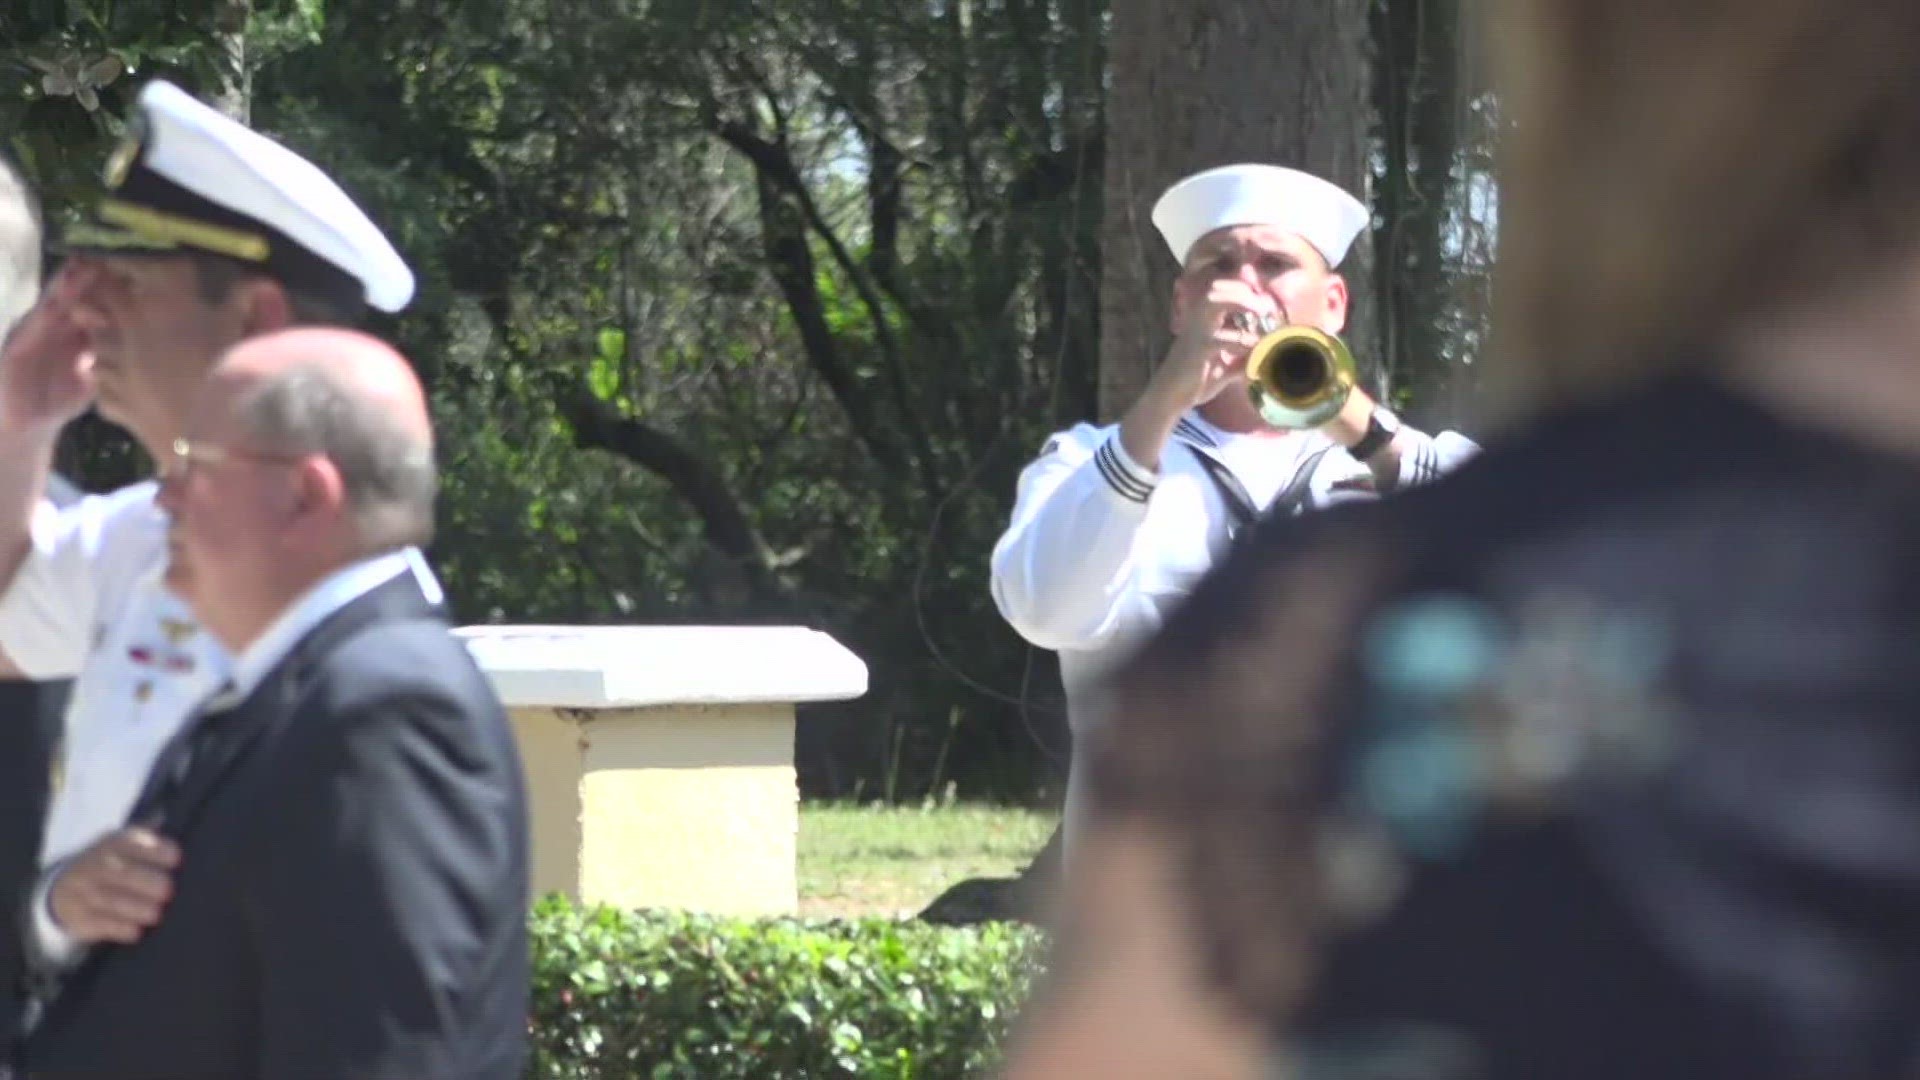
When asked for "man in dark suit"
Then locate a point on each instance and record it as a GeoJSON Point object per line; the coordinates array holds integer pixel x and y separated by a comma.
{"type": "Point", "coordinates": [345, 887]}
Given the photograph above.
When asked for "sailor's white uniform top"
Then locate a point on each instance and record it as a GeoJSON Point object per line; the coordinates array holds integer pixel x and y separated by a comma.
{"type": "Point", "coordinates": [1100, 549]}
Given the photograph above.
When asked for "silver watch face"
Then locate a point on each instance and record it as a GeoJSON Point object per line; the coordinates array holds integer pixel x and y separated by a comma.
{"type": "Point", "coordinates": [1385, 418]}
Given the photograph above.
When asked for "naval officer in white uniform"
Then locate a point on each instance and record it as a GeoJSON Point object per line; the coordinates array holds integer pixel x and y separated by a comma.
{"type": "Point", "coordinates": [1113, 525]}
{"type": "Point", "coordinates": [209, 233]}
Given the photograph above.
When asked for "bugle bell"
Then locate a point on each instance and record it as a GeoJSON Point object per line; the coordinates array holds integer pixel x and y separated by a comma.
{"type": "Point", "coordinates": [1299, 376]}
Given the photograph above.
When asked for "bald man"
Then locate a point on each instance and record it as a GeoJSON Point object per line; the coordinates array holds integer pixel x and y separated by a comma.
{"type": "Point", "coordinates": [342, 886]}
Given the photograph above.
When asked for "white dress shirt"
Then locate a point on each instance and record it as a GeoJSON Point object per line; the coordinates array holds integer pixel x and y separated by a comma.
{"type": "Point", "coordinates": [330, 594]}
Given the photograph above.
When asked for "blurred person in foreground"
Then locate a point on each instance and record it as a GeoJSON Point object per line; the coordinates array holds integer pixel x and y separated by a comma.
{"type": "Point", "coordinates": [1601, 757]}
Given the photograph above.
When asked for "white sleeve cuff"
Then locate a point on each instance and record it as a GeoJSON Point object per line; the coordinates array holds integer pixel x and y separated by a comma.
{"type": "Point", "coordinates": [51, 945]}
{"type": "Point", "coordinates": [1427, 458]}
{"type": "Point", "coordinates": [1126, 477]}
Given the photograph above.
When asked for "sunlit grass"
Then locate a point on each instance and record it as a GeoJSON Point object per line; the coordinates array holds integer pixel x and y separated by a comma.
{"type": "Point", "coordinates": [887, 860]}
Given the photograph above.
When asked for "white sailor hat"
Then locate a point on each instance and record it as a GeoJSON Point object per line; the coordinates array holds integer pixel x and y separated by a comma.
{"type": "Point", "coordinates": [1320, 212]}
{"type": "Point", "coordinates": [188, 178]}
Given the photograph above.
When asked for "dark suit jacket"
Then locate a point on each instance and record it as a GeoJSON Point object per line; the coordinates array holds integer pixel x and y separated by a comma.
{"type": "Point", "coordinates": [352, 895]}
{"type": "Point", "coordinates": [30, 715]}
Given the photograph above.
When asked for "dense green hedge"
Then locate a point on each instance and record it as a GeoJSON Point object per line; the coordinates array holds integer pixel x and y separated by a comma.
{"type": "Point", "coordinates": [622, 995]}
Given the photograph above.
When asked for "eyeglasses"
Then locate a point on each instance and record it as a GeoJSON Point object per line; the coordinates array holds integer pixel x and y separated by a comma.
{"type": "Point", "coordinates": [187, 454]}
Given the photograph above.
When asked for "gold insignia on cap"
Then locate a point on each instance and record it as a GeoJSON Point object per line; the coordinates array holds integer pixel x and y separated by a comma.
{"type": "Point", "coordinates": [86, 235]}
{"type": "Point", "coordinates": [160, 225]}
{"type": "Point", "coordinates": [177, 630]}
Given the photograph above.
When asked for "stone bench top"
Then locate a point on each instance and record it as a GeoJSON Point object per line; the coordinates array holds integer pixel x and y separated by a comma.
{"type": "Point", "coordinates": [610, 667]}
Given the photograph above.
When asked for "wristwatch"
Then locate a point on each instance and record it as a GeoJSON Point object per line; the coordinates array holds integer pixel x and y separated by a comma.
{"type": "Point", "coordinates": [1382, 426]}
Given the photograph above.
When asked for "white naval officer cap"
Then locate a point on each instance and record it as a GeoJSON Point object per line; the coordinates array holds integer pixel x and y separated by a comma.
{"type": "Point", "coordinates": [1318, 211]}
{"type": "Point", "coordinates": [189, 178]}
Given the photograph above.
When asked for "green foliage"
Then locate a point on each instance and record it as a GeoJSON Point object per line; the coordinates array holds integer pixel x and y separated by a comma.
{"type": "Point", "coordinates": [604, 376]}
{"type": "Point", "coordinates": [71, 67]}
{"type": "Point", "coordinates": [842, 254]}
{"type": "Point", "coordinates": [619, 995]}
{"type": "Point", "coordinates": [890, 859]}
{"type": "Point", "coordinates": [594, 198]}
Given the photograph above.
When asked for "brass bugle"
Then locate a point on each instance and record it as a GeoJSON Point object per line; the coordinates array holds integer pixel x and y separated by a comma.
{"type": "Point", "coordinates": [1299, 376]}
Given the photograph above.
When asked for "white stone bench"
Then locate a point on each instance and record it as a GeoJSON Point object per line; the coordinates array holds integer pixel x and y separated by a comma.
{"type": "Point", "coordinates": [659, 759]}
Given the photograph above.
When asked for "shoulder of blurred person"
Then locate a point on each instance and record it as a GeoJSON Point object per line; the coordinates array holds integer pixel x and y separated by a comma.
{"type": "Point", "coordinates": [1595, 760]}
{"type": "Point", "coordinates": [1451, 737]}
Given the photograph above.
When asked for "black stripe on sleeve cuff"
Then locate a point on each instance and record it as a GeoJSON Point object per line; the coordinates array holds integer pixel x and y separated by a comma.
{"type": "Point", "coordinates": [1118, 475]}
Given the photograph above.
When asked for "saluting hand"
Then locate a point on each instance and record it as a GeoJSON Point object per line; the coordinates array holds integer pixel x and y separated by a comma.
{"type": "Point", "coordinates": [115, 890]}
{"type": "Point", "coordinates": [46, 371]}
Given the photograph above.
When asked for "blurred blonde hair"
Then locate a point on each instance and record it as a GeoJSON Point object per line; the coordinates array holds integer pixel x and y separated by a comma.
{"type": "Point", "coordinates": [1675, 168]}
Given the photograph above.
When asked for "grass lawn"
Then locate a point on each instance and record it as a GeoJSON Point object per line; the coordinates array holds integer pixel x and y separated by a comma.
{"type": "Point", "coordinates": [891, 860]}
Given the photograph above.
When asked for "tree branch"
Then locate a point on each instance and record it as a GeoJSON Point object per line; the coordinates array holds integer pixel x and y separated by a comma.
{"type": "Point", "coordinates": [745, 568]}
{"type": "Point", "coordinates": [785, 216]}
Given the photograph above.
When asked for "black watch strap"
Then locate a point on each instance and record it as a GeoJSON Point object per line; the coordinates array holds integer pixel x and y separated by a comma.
{"type": "Point", "coordinates": [1379, 434]}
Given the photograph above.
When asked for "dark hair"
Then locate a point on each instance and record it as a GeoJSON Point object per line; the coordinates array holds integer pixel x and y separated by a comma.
{"type": "Point", "coordinates": [220, 275]}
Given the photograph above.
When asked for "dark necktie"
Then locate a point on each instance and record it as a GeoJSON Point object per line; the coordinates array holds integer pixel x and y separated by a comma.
{"type": "Point", "coordinates": [197, 740]}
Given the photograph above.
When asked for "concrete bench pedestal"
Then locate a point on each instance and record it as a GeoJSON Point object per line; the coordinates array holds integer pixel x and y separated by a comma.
{"type": "Point", "coordinates": [660, 758]}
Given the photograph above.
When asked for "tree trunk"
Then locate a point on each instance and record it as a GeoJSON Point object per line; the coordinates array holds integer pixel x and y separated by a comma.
{"type": "Point", "coordinates": [1199, 83]}
{"type": "Point", "coordinates": [1420, 105]}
